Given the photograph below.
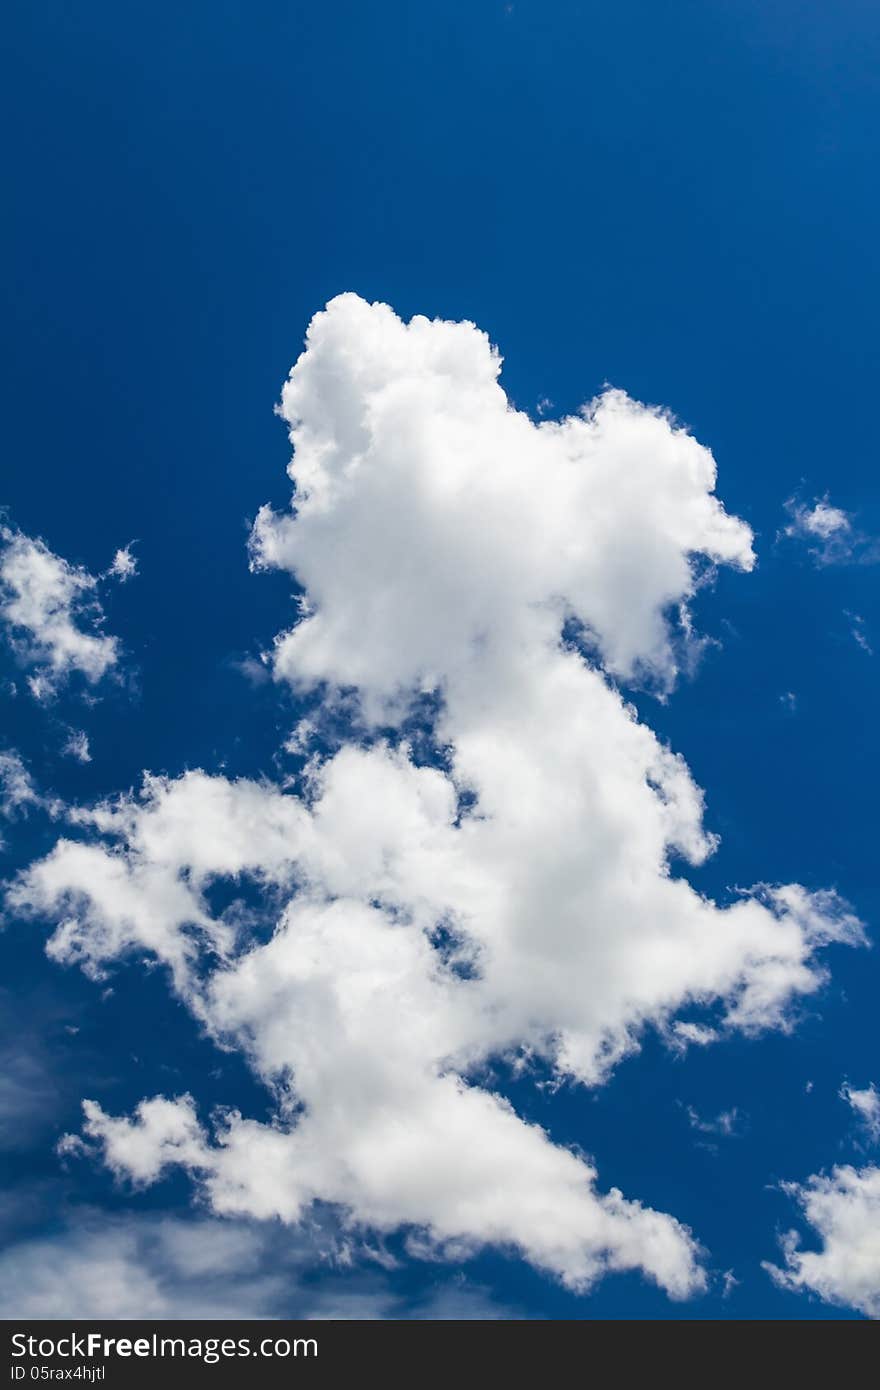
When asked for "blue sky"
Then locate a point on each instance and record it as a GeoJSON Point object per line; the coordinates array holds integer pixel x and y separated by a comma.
{"type": "Point", "coordinates": [675, 200]}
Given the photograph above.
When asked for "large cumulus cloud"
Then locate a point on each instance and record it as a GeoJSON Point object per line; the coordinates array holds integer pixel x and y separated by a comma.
{"type": "Point", "coordinates": [517, 890]}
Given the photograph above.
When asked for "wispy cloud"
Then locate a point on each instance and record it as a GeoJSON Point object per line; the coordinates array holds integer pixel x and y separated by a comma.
{"type": "Point", "coordinates": [866, 1105]}
{"type": "Point", "coordinates": [17, 788]}
{"type": "Point", "coordinates": [858, 632]}
{"type": "Point", "coordinates": [124, 565]}
{"type": "Point", "coordinates": [830, 533]}
{"type": "Point", "coordinates": [52, 615]}
{"type": "Point", "coordinates": [173, 1267]}
{"type": "Point", "coordinates": [77, 746]}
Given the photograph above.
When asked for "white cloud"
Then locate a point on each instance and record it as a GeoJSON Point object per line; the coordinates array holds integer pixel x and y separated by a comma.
{"type": "Point", "coordinates": [77, 746]}
{"type": "Point", "coordinates": [829, 532]}
{"type": "Point", "coordinates": [821, 520]}
{"type": "Point", "coordinates": [20, 794]}
{"type": "Point", "coordinates": [434, 523]}
{"type": "Point", "coordinates": [684, 1034]}
{"type": "Point", "coordinates": [168, 1267]}
{"type": "Point", "coordinates": [165, 1132]}
{"type": "Point", "coordinates": [437, 1154]}
{"type": "Point", "coordinates": [844, 1211]}
{"type": "Point", "coordinates": [857, 631]}
{"type": "Point", "coordinates": [124, 566]}
{"type": "Point", "coordinates": [301, 738]}
{"type": "Point", "coordinates": [521, 897]}
{"type": "Point", "coordinates": [724, 1124]}
{"type": "Point", "coordinates": [52, 614]}
{"type": "Point", "coordinates": [866, 1104]}
{"type": "Point", "coordinates": [17, 789]}
{"type": "Point", "coordinates": [138, 1269]}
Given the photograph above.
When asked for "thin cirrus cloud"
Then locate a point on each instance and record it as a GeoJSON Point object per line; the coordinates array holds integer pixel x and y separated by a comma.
{"type": "Point", "coordinates": [52, 614]}
{"type": "Point", "coordinates": [166, 1267]}
{"type": "Point", "coordinates": [724, 1125]}
{"type": "Point", "coordinates": [858, 631]}
{"type": "Point", "coordinates": [19, 793]}
{"type": "Point", "coordinates": [473, 584]}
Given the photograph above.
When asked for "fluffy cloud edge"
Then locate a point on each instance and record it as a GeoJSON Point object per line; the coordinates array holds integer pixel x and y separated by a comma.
{"type": "Point", "coordinates": [52, 614]}
{"type": "Point", "coordinates": [843, 1209]}
{"type": "Point", "coordinates": [447, 546]}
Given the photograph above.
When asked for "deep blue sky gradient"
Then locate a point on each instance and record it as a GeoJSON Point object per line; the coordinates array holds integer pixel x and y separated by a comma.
{"type": "Point", "coordinates": [679, 199]}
